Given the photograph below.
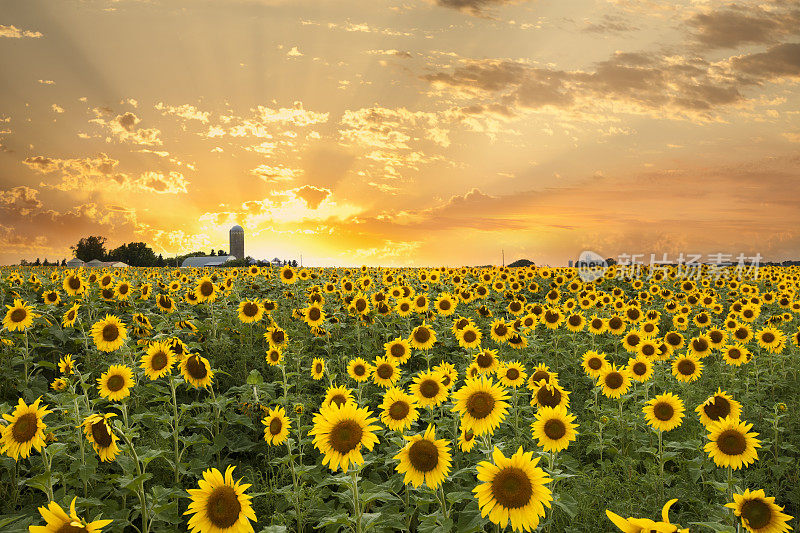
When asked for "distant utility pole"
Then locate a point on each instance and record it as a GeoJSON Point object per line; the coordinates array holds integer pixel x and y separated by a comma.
{"type": "Point", "coordinates": [301, 260]}
{"type": "Point", "coordinates": [503, 252]}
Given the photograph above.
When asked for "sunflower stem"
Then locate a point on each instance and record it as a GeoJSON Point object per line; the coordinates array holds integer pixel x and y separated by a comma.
{"type": "Point", "coordinates": [175, 428]}
{"type": "Point", "coordinates": [80, 438]}
{"type": "Point", "coordinates": [140, 476]}
{"type": "Point", "coordinates": [660, 464]}
{"type": "Point", "coordinates": [356, 501]}
{"type": "Point", "coordinates": [47, 460]}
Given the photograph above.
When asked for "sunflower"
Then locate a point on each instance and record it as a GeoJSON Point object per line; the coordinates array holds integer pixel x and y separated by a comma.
{"type": "Point", "coordinates": [541, 372]}
{"type": "Point", "coordinates": [403, 307]}
{"type": "Point", "coordinates": [69, 317]}
{"type": "Point", "coordinates": [487, 361]}
{"type": "Point", "coordinates": [422, 337]}
{"type": "Point", "coordinates": [445, 304]}
{"type": "Point", "coordinates": [554, 428]}
{"type": "Point", "coordinates": [288, 275]}
{"type": "Point", "coordinates": [398, 350]}
{"type": "Point", "coordinates": [639, 525]}
{"type": "Point", "coordinates": [648, 348]}
{"type": "Point", "coordinates": [19, 316]}
{"type": "Point", "coordinates": [250, 311]}
{"type": "Point", "coordinates": [512, 374]}
{"type": "Point", "coordinates": [74, 284]}
{"type": "Point", "coordinates": [58, 521]}
{"type": "Point", "coordinates": [338, 395]}
{"type": "Point", "coordinates": [115, 384]}
{"type": "Point", "coordinates": [97, 429]}
{"type": "Point", "coordinates": [196, 370]}
{"type": "Point", "coordinates": [546, 394]}
{"type": "Point", "coordinates": [51, 298]}
{"type": "Point", "coordinates": [109, 333]}
{"type": "Point", "coordinates": [66, 365]}
{"type": "Point", "coordinates": [640, 368]}
{"type": "Point", "coordinates": [674, 340]}
{"type": "Point", "coordinates": [385, 372]}
{"type": "Point", "coordinates": [220, 505]}
{"type": "Point", "coordinates": [469, 337]}
{"type": "Point", "coordinates": [274, 356]}
{"type": "Point", "coordinates": [700, 346]}
{"type": "Point", "coordinates": [340, 431]}
{"type": "Point", "coordinates": [398, 409]}
{"type": "Point", "coordinates": [205, 290]}
{"type": "Point", "coordinates": [575, 322]}
{"type": "Point", "coordinates": [771, 339]}
{"type": "Point", "coordinates": [631, 341]}
{"type": "Point", "coordinates": [594, 363]}
{"type": "Point", "coordinates": [158, 360]}
{"type": "Point", "coordinates": [664, 412]}
{"type": "Point", "coordinates": [448, 372]}
{"type": "Point", "coordinates": [687, 368]}
{"type": "Point", "coordinates": [481, 404]}
{"type": "Point", "coordinates": [277, 426]}
{"type": "Point", "coordinates": [615, 381]}
{"type": "Point", "coordinates": [424, 459]}
{"type": "Point", "coordinates": [731, 444]}
{"type": "Point", "coordinates": [513, 490]}
{"type": "Point", "coordinates": [597, 325]}
{"type": "Point", "coordinates": [735, 355]}
{"type": "Point", "coordinates": [59, 384]}
{"type": "Point", "coordinates": [313, 315]}
{"type": "Point", "coordinates": [25, 429]}
{"type": "Point", "coordinates": [122, 290]}
{"type": "Point", "coordinates": [759, 513]}
{"type": "Point", "coordinates": [718, 406]}
{"type": "Point", "coordinates": [428, 389]}
{"type": "Point", "coordinates": [466, 440]}
{"type": "Point", "coordinates": [317, 368]}
{"type": "Point", "coordinates": [499, 331]}
{"type": "Point", "coordinates": [359, 369]}
{"type": "Point", "coordinates": [276, 336]}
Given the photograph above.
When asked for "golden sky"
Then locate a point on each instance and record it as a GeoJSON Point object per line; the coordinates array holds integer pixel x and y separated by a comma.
{"type": "Point", "coordinates": [418, 132]}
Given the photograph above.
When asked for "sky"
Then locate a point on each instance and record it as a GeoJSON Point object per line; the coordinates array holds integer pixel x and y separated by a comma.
{"type": "Point", "coordinates": [401, 133]}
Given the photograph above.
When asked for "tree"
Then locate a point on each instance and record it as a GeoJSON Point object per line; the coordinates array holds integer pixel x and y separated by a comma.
{"type": "Point", "coordinates": [37, 262]}
{"type": "Point", "coordinates": [63, 262]}
{"type": "Point", "coordinates": [46, 262]}
{"type": "Point", "coordinates": [213, 253]}
{"type": "Point", "coordinates": [220, 252]}
{"type": "Point", "coordinates": [294, 263]}
{"type": "Point", "coordinates": [134, 254]}
{"type": "Point", "coordinates": [89, 248]}
{"type": "Point", "coordinates": [160, 261]}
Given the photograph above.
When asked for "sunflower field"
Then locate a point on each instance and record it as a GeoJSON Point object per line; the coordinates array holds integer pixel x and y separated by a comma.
{"type": "Point", "coordinates": [233, 400]}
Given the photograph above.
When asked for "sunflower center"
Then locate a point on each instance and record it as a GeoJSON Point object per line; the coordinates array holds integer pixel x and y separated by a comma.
{"type": "Point", "coordinates": [484, 360]}
{"type": "Point", "coordinates": [101, 434]}
{"type": "Point", "coordinates": [511, 488]}
{"type": "Point", "coordinates": [361, 305]}
{"type": "Point", "coordinates": [18, 315]}
{"type": "Point", "coordinates": [734, 353]}
{"type": "Point", "coordinates": [158, 361]}
{"type": "Point", "coordinates": [397, 350]}
{"type": "Point", "coordinates": [468, 436]}
{"type": "Point", "coordinates": [275, 426]}
{"type": "Point", "coordinates": [384, 371]}
{"type": "Point", "coordinates": [551, 317]}
{"type": "Point", "coordinates": [74, 283]}
{"type": "Point", "coordinates": [422, 335]}
{"type": "Point", "coordinates": [25, 427]}
{"type": "Point", "coordinates": [741, 333]}
{"type": "Point", "coordinates": [512, 374]}
{"type": "Point", "coordinates": [686, 367]}
{"type": "Point", "coordinates": [314, 313]}
{"type": "Point", "coordinates": [250, 309]}
{"type": "Point", "coordinates": [196, 368]}
{"type": "Point", "coordinates": [597, 323]}
{"type": "Point", "coordinates": [615, 322]}
{"type": "Point", "coordinates": [663, 411]}
{"type": "Point", "coordinates": [345, 436]}
{"type": "Point", "coordinates": [716, 336]}
{"type": "Point", "coordinates": [110, 332]}
{"type": "Point", "coordinates": [548, 398]}
{"type": "Point", "coordinates": [277, 337]}
{"type": "Point", "coordinates": [648, 350]}
{"type": "Point", "coordinates": [288, 274]}
{"type": "Point", "coordinates": [673, 339]}
{"type": "Point", "coordinates": [470, 336]}
{"type": "Point", "coordinates": [318, 368]}
{"type": "Point", "coordinates": [731, 442]}
{"type": "Point", "coordinates": [757, 513]}
{"type": "Point", "coordinates": [554, 429]}
{"type": "Point", "coordinates": [359, 370]}
{"type": "Point", "coordinates": [338, 399]}
{"type": "Point", "coordinates": [639, 368]}
{"type": "Point", "coordinates": [480, 404]}
{"type": "Point", "coordinates": [574, 320]}
{"type": "Point", "coordinates": [206, 288]}
{"type": "Point", "coordinates": [115, 383]}
{"type": "Point", "coordinates": [423, 455]}
{"type": "Point", "coordinates": [633, 340]}
{"type": "Point", "coordinates": [614, 380]}
{"type": "Point", "coordinates": [540, 375]}
{"type": "Point", "coordinates": [429, 388]}
{"type": "Point", "coordinates": [501, 330]}
{"type": "Point", "coordinates": [718, 408]}
{"type": "Point", "coordinates": [223, 507]}
{"type": "Point", "coordinates": [700, 345]}
{"type": "Point", "coordinates": [444, 305]}
{"type": "Point", "coordinates": [595, 363]}
{"type": "Point", "coordinates": [399, 410]}
{"type": "Point", "coordinates": [768, 337]}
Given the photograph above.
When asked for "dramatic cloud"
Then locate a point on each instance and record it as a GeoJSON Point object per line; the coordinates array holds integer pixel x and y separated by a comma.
{"type": "Point", "coordinates": [22, 200]}
{"type": "Point", "coordinates": [172, 183]}
{"type": "Point", "coordinates": [272, 174]}
{"type": "Point", "coordinates": [313, 196]}
{"type": "Point", "coordinates": [123, 128]}
{"type": "Point", "coordinates": [12, 32]}
{"type": "Point", "coordinates": [738, 25]}
{"type": "Point", "coordinates": [185, 111]}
